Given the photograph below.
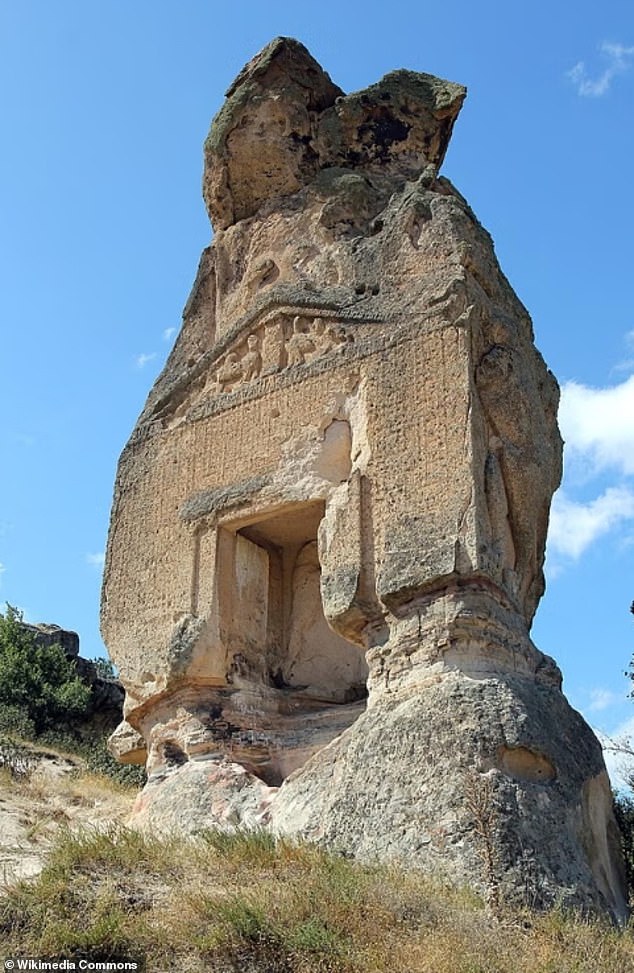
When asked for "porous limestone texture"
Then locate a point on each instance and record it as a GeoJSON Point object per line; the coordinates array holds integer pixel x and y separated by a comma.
{"type": "Point", "coordinates": [328, 528]}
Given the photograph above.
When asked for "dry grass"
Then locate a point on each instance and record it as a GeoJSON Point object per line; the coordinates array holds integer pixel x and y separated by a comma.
{"type": "Point", "coordinates": [55, 792]}
{"type": "Point", "coordinates": [51, 788]}
{"type": "Point", "coordinates": [247, 904]}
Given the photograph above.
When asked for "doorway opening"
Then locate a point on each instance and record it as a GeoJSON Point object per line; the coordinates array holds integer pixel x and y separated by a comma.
{"type": "Point", "coordinates": [277, 582]}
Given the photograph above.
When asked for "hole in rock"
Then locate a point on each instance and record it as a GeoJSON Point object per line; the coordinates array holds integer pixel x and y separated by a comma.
{"type": "Point", "coordinates": [315, 680]}
{"type": "Point", "coordinates": [173, 755]}
{"type": "Point", "coordinates": [525, 765]}
{"type": "Point", "coordinates": [280, 575]}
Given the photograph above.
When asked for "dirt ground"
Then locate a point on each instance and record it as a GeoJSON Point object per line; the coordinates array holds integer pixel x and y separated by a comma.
{"type": "Point", "coordinates": [56, 793]}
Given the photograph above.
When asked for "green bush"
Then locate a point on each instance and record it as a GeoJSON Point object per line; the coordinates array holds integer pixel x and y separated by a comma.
{"type": "Point", "coordinates": [91, 746]}
{"type": "Point", "coordinates": [39, 680]}
{"type": "Point", "coordinates": [100, 761]}
{"type": "Point", "coordinates": [104, 668]}
{"type": "Point", "coordinates": [15, 722]}
{"type": "Point", "coordinates": [43, 698]}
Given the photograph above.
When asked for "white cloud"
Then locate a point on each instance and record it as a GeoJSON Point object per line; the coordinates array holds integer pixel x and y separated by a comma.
{"type": "Point", "coordinates": [597, 425]}
{"type": "Point", "coordinates": [575, 525]}
{"type": "Point", "coordinates": [618, 58]}
{"type": "Point", "coordinates": [143, 359]}
{"type": "Point", "coordinates": [603, 699]}
{"type": "Point", "coordinates": [2, 570]}
{"type": "Point", "coordinates": [96, 560]}
{"type": "Point", "coordinates": [627, 365]}
{"type": "Point", "coordinates": [167, 334]}
{"type": "Point", "coordinates": [600, 424]}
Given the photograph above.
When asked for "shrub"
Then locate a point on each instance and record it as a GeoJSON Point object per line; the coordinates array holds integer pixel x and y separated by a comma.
{"type": "Point", "coordinates": [38, 680]}
{"type": "Point", "coordinates": [104, 668]}
{"type": "Point", "coordinates": [43, 698]}
{"type": "Point", "coordinates": [100, 761]}
{"type": "Point", "coordinates": [92, 746]}
{"type": "Point", "coordinates": [16, 723]}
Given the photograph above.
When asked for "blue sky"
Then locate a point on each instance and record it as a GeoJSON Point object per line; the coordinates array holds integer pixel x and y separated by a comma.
{"type": "Point", "coordinates": [105, 107]}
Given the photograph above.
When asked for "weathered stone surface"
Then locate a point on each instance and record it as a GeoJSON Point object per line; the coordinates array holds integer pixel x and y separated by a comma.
{"type": "Point", "coordinates": [127, 745]}
{"type": "Point", "coordinates": [339, 488]}
{"type": "Point", "coordinates": [107, 693]}
{"type": "Point", "coordinates": [284, 113]}
{"type": "Point", "coordinates": [46, 635]}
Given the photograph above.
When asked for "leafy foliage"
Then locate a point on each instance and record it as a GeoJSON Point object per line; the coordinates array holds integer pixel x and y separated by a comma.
{"type": "Point", "coordinates": [104, 668]}
{"type": "Point", "coordinates": [43, 698]}
{"type": "Point", "coordinates": [100, 761]}
{"type": "Point", "coordinates": [37, 680]}
{"type": "Point", "coordinates": [91, 746]}
{"type": "Point", "coordinates": [16, 723]}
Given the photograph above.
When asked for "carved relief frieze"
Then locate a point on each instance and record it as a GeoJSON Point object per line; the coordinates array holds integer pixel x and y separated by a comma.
{"type": "Point", "coordinates": [282, 342]}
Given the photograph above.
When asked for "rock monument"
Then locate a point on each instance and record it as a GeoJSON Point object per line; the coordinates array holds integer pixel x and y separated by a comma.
{"type": "Point", "coordinates": [328, 527]}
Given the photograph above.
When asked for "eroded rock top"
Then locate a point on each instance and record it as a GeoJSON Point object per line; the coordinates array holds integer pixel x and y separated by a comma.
{"type": "Point", "coordinates": [284, 120]}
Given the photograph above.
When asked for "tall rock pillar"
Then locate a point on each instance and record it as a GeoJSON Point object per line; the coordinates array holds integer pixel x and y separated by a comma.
{"type": "Point", "coordinates": [328, 529]}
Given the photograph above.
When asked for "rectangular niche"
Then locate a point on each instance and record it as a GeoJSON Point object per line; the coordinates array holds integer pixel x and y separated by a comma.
{"type": "Point", "coordinates": [303, 654]}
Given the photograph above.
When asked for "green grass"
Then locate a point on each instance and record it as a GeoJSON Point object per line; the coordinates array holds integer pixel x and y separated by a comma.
{"type": "Point", "coordinates": [245, 903]}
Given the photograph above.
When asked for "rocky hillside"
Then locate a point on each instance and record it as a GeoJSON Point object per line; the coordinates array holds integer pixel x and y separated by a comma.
{"type": "Point", "coordinates": [243, 903]}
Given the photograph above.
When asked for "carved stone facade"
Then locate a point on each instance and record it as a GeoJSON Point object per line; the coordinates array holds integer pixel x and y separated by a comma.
{"type": "Point", "coordinates": [280, 342]}
{"type": "Point", "coordinates": [328, 529]}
